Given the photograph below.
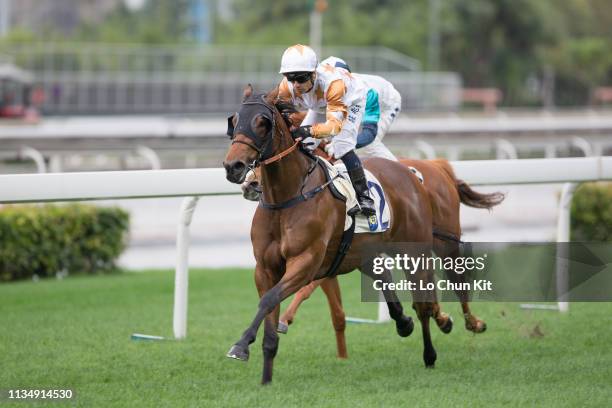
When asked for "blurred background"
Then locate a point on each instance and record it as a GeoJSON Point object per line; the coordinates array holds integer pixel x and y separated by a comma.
{"type": "Point", "coordinates": [146, 84]}
{"type": "Point", "coordinates": [161, 56]}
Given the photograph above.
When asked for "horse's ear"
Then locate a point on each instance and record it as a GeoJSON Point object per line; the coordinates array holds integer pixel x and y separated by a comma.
{"type": "Point", "coordinates": [248, 91]}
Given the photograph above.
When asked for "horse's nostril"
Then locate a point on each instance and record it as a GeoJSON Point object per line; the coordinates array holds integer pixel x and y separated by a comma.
{"type": "Point", "coordinates": [238, 166]}
{"type": "Point", "coordinates": [235, 170]}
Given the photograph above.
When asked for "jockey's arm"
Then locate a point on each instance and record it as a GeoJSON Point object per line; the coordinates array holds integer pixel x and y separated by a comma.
{"type": "Point", "coordinates": [367, 134]}
{"type": "Point", "coordinates": [335, 114]}
{"type": "Point", "coordinates": [369, 125]}
{"type": "Point", "coordinates": [306, 118]}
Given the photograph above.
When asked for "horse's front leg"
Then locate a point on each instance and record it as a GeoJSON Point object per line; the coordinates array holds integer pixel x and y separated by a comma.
{"type": "Point", "coordinates": [287, 318]}
{"type": "Point", "coordinates": [269, 345]}
{"type": "Point", "coordinates": [269, 293]}
{"type": "Point", "coordinates": [298, 272]}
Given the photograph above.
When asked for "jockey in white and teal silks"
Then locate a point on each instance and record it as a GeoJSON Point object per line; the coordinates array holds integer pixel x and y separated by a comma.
{"type": "Point", "coordinates": [383, 104]}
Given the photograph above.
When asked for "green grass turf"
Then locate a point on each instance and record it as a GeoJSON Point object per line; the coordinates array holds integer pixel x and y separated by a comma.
{"type": "Point", "coordinates": [76, 333]}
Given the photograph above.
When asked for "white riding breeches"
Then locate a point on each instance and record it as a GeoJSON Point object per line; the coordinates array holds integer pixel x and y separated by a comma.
{"type": "Point", "coordinates": [375, 149]}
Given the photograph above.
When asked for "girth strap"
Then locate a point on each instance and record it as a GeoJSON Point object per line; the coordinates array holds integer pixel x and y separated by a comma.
{"type": "Point", "coordinates": [345, 246]}
{"type": "Point", "coordinates": [446, 236]}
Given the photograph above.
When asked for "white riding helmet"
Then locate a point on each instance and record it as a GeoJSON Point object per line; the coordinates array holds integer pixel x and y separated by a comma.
{"type": "Point", "coordinates": [298, 58]}
{"type": "Point", "coordinates": [336, 63]}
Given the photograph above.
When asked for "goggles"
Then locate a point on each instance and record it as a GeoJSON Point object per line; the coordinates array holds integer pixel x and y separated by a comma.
{"type": "Point", "coordinates": [299, 77]}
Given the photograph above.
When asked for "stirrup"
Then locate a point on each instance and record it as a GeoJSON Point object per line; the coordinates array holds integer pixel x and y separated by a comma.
{"type": "Point", "coordinates": [366, 204]}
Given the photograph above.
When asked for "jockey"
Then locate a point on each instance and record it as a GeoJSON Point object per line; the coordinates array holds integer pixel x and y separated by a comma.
{"type": "Point", "coordinates": [313, 87]}
{"type": "Point", "coordinates": [383, 104]}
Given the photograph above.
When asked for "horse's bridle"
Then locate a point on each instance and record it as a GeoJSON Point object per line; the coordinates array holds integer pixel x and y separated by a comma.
{"type": "Point", "coordinates": [246, 129]}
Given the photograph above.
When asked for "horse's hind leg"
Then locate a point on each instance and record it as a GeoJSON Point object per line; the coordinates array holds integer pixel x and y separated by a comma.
{"type": "Point", "coordinates": [443, 320]}
{"type": "Point", "coordinates": [454, 250]}
{"type": "Point", "coordinates": [424, 311]}
{"type": "Point", "coordinates": [332, 290]}
{"type": "Point", "coordinates": [426, 305]}
{"type": "Point", "coordinates": [403, 324]}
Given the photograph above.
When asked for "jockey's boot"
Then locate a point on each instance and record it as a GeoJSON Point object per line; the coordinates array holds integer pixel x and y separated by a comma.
{"type": "Point", "coordinates": [360, 184]}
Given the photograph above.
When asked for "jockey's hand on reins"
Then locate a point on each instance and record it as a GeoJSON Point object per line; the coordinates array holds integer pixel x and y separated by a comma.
{"type": "Point", "coordinates": [302, 132]}
{"type": "Point", "coordinates": [303, 135]}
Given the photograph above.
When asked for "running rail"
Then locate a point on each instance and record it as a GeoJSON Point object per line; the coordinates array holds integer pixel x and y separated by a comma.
{"type": "Point", "coordinates": [192, 183]}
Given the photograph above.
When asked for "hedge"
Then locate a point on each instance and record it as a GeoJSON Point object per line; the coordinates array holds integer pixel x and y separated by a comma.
{"type": "Point", "coordinates": [46, 240]}
{"type": "Point", "coordinates": [591, 213]}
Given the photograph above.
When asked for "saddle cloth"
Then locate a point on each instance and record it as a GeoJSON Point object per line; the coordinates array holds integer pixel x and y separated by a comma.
{"type": "Point", "coordinates": [345, 187]}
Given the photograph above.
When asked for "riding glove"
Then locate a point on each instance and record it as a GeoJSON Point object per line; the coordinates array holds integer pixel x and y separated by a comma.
{"type": "Point", "coordinates": [303, 132]}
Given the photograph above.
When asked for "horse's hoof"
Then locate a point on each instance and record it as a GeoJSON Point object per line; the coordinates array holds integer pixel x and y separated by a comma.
{"type": "Point", "coordinates": [404, 326]}
{"type": "Point", "coordinates": [448, 326]}
{"type": "Point", "coordinates": [238, 353]}
{"type": "Point", "coordinates": [282, 327]}
{"type": "Point", "coordinates": [478, 327]}
{"type": "Point", "coordinates": [430, 359]}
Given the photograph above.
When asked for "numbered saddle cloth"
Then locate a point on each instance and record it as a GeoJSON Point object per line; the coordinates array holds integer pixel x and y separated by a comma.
{"type": "Point", "coordinates": [344, 186]}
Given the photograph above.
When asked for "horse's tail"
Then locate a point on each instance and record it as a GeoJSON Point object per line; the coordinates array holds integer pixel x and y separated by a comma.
{"type": "Point", "coordinates": [467, 195]}
{"type": "Point", "coordinates": [475, 199]}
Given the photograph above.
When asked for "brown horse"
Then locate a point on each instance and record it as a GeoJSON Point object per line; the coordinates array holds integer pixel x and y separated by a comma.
{"type": "Point", "coordinates": [297, 230]}
{"type": "Point", "coordinates": [445, 194]}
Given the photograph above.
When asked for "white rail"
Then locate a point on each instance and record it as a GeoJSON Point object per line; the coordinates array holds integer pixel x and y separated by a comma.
{"type": "Point", "coordinates": [104, 185]}
{"type": "Point", "coordinates": [205, 182]}
{"type": "Point", "coordinates": [23, 188]}
{"type": "Point", "coordinates": [170, 127]}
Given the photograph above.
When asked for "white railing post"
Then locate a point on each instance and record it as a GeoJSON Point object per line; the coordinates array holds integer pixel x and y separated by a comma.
{"type": "Point", "coordinates": [181, 277]}
{"type": "Point", "coordinates": [36, 156]}
{"type": "Point", "coordinates": [583, 145]}
{"type": "Point", "coordinates": [150, 155]}
{"type": "Point", "coordinates": [425, 148]}
{"type": "Point", "coordinates": [505, 150]}
{"type": "Point", "coordinates": [383, 310]}
{"type": "Point", "coordinates": [563, 239]}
